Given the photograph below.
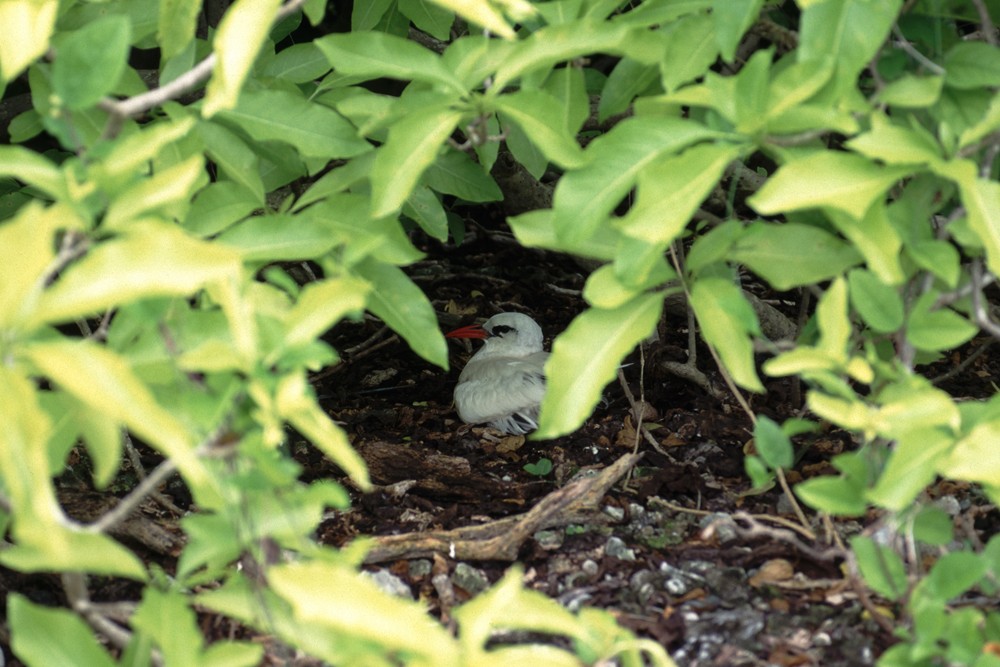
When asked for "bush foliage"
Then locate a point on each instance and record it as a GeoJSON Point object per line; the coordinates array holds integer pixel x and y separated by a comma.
{"type": "Point", "coordinates": [147, 215]}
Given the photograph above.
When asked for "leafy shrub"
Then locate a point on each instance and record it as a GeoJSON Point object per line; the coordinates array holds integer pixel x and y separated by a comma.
{"type": "Point", "coordinates": [159, 221]}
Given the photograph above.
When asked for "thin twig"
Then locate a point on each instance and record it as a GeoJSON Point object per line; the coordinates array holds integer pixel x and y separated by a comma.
{"type": "Point", "coordinates": [986, 23]}
{"type": "Point", "coordinates": [905, 45]}
{"type": "Point", "coordinates": [137, 105]}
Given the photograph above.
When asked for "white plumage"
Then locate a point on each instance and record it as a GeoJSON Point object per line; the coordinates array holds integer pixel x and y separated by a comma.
{"type": "Point", "coordinates": [503, 384]}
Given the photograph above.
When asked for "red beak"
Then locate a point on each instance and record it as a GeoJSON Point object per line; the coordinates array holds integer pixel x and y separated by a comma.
{"type": "Point", "coordinates": [471, 331]}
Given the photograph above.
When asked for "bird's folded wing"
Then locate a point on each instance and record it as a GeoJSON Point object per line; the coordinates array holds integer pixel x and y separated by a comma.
{"type": "Point", "coordinates": [498, 387]}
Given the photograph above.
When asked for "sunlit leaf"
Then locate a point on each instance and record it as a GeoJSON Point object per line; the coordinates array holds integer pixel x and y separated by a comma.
{"type": "Point", "coordinates": [151, 260]}
{"type": "Point", "coordinates": [728, 323]}
{"type": "Point", "coordinates": [585, 357]}
{"type": "Point", "coordinates": [377, 55]}
{"type": "Point", "coordinates": [349, 605]}
{"type": "Point", "coordinates": [25, 30]}
{"type": "Point", "coordinates": [237, 41]}
{"type": "Point", "coordinates": [792, 254]}
{"type": "Point", "coordinates": [843, 181]}
{"type": "Point", "coordinates": [413, 144]}
{"type": "Point", "coordinates": [404, 307]}
{"type": "Point", "coordinates": [313, 129]}
{"type": "Point", "coordinates": [46, 636]}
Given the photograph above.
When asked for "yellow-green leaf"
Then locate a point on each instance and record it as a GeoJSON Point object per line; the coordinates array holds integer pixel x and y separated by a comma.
{"type": "Point", "coordinates": [241, 33]}
{"type": "Point", "coordinates": [25, 30]}
{"type": "Point", "coordinates": [153, 259]}
{"type": "Point", "coordinates": [585, 357]}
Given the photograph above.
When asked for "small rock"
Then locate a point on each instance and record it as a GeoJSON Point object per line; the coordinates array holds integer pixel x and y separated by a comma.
{"type": "Point", "coordinates": [616, 548]}
{"type": "Point", "coordinates": [550, 540]}
{"type": "Point", "coordinates": [469, 579]}
{"type": "Point", "coordinates": [590, 567]}
{"type": "Point", "coordinates": [419, 568]}
{"type": "Point", "coordinates": [616, 513]}
{"type": "Point", "coordinates": [390, 583]}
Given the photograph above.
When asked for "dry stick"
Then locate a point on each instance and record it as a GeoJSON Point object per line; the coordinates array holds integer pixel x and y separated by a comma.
{"type": "Point", "coordinates": [74, 584]}
{"type": "Point", "coordinates": [133, 457]}
{"type": "Point", "coordinates": [744, 405]}
{"type": "Point", "coordinates": [121, 110]}
{"type": "Point", "coordinates": [640, 428]}
{"type": "Point", "coordinates": [986, 23]}
{"type": "Point", "coordinates": [780, 520]}
{"type": "Point", "coordinates": [978, 308]}
{"type": "Point", "coordinates": [502, 539]}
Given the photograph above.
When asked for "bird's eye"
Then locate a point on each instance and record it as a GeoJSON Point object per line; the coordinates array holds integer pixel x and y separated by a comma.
{"type": "Point", "coordinates": [501, 329]}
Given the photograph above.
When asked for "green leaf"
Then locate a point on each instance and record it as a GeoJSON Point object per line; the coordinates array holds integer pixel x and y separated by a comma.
{"type": "Point", "coordinates": [151, 260]}
{"type": "Point", "coordinates": [508, 606]}
{"type": "Point", "coordinates": [539, 469]}
{"type": "Point", "coordinates": [955, 573]}
{"type": "Point", "coordinates": [404, 307]}
{"type": "Point", "coordinates": [939, 258]}
{"type": "Point", "coordinates": [32, 168]}
{"type": "Point", "coordinates": [585, 357]}
{"type": "Point", "coordinates": [24, 458]}
{"type": "Point", "coordinates": [879, 305]}
{"type": "Point", "coordinates": [628, 79]}
{"type": "Point", "coordinates": [672, 188]}
{"type": "Point", "coordinates": [175, 29]}
{"type": "Point", "coordinates": [772, 444]}
{"type": "Point", "coordinates": [312, 129]}
{"type": "Point", "coordinates": [941, 329]}
{"type": "Point", "coordinates": [972, 65]}
{"type": "Point", "coordinates": [377, 55]}
{"type": "Point", "coordinates": [218, 206]}
{"type": "Point", "coordinates": [321, 305]}
{"type": "Point", "coordinates": [412, 146]}
{"type": "Point", "coordinates": [168, 191]}
{"type": "Point", "coordinates": [299, 63]}
{"type": "Point", "coordinates": [834, 495]}
{"type": "Point", "coordinates": [131, 155]}
{"type": "Point", "coordinates": [849, 31]}
{"type": "Point", "coordinates": [555, 44]}
{"type": "Point", "coordinates": [531, 111]}
{"type": "Point", "coordinates": [105, 381]}
{"type": "Point", "coordinates": [455, 173]}
{"type": "Point", "coordinates": [568, 85]}
{"type": "Point", "coordinates": [237, 42]}
{"type": "Point", "coordinates": [483, 14]}
{"type": "Point", "coordinates": [585, 197]}
{"type": "Point", "coordinates": [90, 61]}
{"type": "Point", "coordinates": [973, 458]}
{"type": "Point", "coordinates": [713, 247]}
{"type": "Point", "coordinates": [912, 466]}
{"type": "Point", "coordinates": [46, 636]}
{"type": "Point", "coordinates": [691, 48]}
{"type": "Point", "coordinates": [842, 181]}
{"type": "Point", "coordinates": [429, 17]}
{"type": "Point", "coordinates": [349, 605]}
{"type": "Point", "coordinates": [42, 547]}
{"type": "Point", "coordinates": [280, 237]}
{"type": "Point", "coordinates": [166, 617]}
{"type": "Point", "coordinates": [25, 29]}
{"type": "Point", "coordinates": [912, 92]}
{"type": "Point", "coordinates": [425, 208]}
{"type": "Point", "coordinates": [881, 567]}
{"type": "Point", "coordinates": [895, 144]}
{"type": "Point", "coordinates": [878, 241]}
{"type": "Point", "coordinates": [535, 229]}
{"type": "Point", "coordinates": [27, 251]}
{"type": "Point", "coordinates": [234, 158]}
{"type": "Point", "coordinates": [732, 18]}
{"type": "Point", "coordinates": [727, 323]}
{"type": "Point", "coordinates": [933, 526]}
{"type": "Point", "coordinates": [792, 254]}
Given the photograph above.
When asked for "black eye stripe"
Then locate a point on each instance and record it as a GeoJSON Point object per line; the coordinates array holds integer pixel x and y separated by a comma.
{"type": "Point", "coordinates": [501, 329]}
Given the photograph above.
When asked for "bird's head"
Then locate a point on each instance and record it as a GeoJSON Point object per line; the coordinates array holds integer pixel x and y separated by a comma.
{"type": "Point", "coordinates": [514, 333]}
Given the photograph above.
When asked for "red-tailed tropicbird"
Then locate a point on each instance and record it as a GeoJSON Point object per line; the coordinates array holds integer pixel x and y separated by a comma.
{"type": "Point", "coordinates": [503, 384]}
